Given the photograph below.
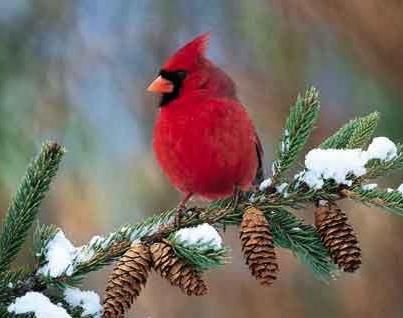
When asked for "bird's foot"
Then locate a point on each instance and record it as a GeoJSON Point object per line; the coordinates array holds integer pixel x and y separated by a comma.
{"type": "Point", "coordinates": [185, 213]}
{"type": "Point", "coordinates": [235, 198]}
{"type": "Point", "coordinates": [182, 210]}
{"type": "Point", "coordinates": [233, 204]}
{"type": "Point", "coordinates": [180, 214]}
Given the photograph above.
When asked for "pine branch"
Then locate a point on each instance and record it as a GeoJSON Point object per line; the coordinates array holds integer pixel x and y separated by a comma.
{"type": "Point", "coordinates": [292, 233]}
{"type": "Point", "coordinates": [42, 235]}
{"type": "Point", "coordinates": [4, 313]}
{"type": "Point", "coordinates": [10, 281]}
{"type": "Point", "coordinates": [102, 257]}
{"type": "Point", "coordinates": [107, 249]}
{"type": "Point", "coordinates": [298, 127]}
{"type": "Point", "coordinates": [24, 207]}
{"type": "Point", "coordinates": [303, 240]}
{"type": "Point", "coordinates": [202, 256]}
{"type": "Point", "coordinates": [380, 168]}
{"type": "Point", "coordinates": [355, 134]}
{"type": "Point", "coordinates": [389, 200]}
{"type": "Point", "coordinates": [365, 128]}
{"type": "Point", "coordinates": [18, 282]}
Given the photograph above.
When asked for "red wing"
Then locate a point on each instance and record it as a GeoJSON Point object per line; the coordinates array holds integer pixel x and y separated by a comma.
{"type": "Point", "coordinates": [260, 172]}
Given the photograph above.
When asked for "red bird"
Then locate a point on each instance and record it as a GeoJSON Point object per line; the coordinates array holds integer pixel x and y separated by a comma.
{"type": "Point", "coordinates": [204, 140]}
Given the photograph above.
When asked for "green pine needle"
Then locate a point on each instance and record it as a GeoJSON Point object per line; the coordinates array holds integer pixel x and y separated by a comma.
{"type": "Point", "coordinates": [291, 233]}
{"type": "Point", "coordinates": [203, 256]}
{"type": "Point", "coordinates": [364, 131]}
{"type": "Point", "coordinates": [298, 127]}
{"type": "Point", "coordinates": [355, 134]}
{"type": "Point", "coordinates": [9, 283]}
{"type": "Point", "coordinates": [4, 313]}
{"type": "Point", "coordinates": [102, 257]}
{"type": "Point", "coordinates": [381, 168]}
{"type": "Point", "coordinates": [25, 205]}
{"type": "Point", "coordinates": [391, 201]}
{"type": "Point", "coordinates": [42, 236]}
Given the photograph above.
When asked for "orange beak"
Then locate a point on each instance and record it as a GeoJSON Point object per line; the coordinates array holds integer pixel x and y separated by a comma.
{"type": "Point", "coordinates": [161, 85]}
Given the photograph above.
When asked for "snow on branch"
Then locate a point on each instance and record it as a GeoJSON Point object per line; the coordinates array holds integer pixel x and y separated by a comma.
{"type": "Point", "coordinates": [344, 165]}
{"type": "Point", "coordinates": [88, 300]}
{"type": "Point", "coordinates": [39, 304]}
{"type": "Point", "coordinates": [79, 304]}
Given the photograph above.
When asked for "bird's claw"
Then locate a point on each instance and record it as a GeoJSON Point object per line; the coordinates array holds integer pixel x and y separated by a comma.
{"type": "Point", "coordinates": [183, 212]}
{"type": "Point", "coordinates": [180, 213]}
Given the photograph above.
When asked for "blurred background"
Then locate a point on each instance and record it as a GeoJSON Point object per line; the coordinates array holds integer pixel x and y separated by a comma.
{"type": "Point", "coordinates": [76, 71]}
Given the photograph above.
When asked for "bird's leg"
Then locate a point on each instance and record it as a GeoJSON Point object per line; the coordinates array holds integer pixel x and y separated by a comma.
{"type": "Point", "coordinates": [235, 200]}
{"type": "Point", "coordinates": [181, 209]}
{"type": "Point", "coordinates": [236, 195]}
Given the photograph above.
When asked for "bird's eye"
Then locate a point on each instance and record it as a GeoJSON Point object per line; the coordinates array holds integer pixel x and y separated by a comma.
{"type": "Point", "coordinates": [181, 74]}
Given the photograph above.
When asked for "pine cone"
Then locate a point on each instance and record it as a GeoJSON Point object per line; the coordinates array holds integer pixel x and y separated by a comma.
{"type": "Point", "coordinates": [338, 236]}
{"type": "Point", "coordinates": [179, 273]}
{"type": "Point", "coordinates": [258, 247]}
{"type": "Point", "coordinates": [126, 281]}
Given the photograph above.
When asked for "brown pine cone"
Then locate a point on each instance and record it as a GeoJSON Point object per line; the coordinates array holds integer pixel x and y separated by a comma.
{"type": "Point", "coordinates": [178, 273]}
{"type": "Point", "coordinates": [258, 247]}
{"type": "Point", "coordinates": [128, 277]}
{"type": "Point", "coordinates": [338, 236]}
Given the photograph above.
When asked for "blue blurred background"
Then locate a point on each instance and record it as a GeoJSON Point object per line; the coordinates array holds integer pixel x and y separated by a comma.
{"type": "Point", "coordinates": [76, 71]}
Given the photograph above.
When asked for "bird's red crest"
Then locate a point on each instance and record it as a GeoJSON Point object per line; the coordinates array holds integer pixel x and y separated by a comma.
{"type": "Point", "coordinates": [188, 55]}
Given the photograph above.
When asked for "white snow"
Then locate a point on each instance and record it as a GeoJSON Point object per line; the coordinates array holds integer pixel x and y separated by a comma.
{"type": "Point", "coordinates": [282, 187]}
{"type": "Point", "coordinates": [369, 186]}
{"type": "Point", "coordinates": [323, 202]}
{"type": "Point", "coordinates": [338, 164]}
{"type": "Point", "coordinates": [201, 234]}
{"type": "Point", "coordinates": [83, 254]}
{"type": "Point", "coordinates": [285, 145]}
{"type": "Point", "coordinates": [390, 190]}
{"type": "Point", "coordinates": [382, 148]}
{"type": "Point", "coordinates": [265, 184]}
{"type": "Point", "coordinates": [300, 175]}
{"type": "Point", "coordinates": [97, 239]}
{"type": "Point", "coordinates": [34, 302]}
{"type": "Point", "coordinates": [60, 254]}
{"type": "Point", "coordinates": [88, 300]}
{"type": "Point", "coordinates": [273, 168]}
{"type": "Point", "coordinates": [400, 188]}
{"type": "Point", "coordinates": [333, 164]}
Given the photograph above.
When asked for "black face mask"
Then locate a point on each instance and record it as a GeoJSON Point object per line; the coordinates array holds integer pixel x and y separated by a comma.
{"type": "Point", "coordinates": [176, 78]}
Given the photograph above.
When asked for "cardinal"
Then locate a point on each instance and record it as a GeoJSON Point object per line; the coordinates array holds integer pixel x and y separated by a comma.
{"type": "Point", "coordinates": [203, 138]}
